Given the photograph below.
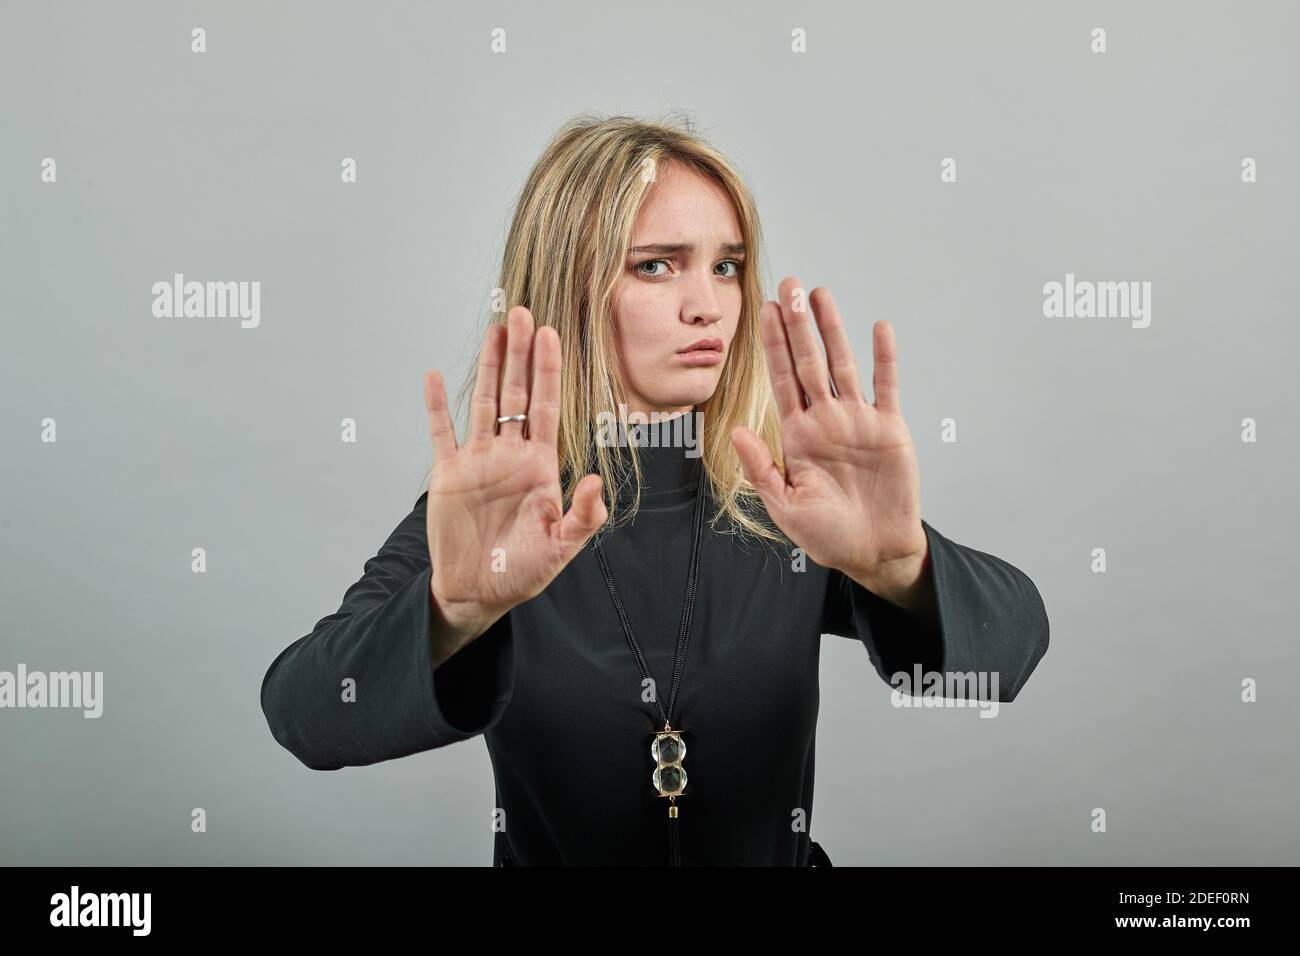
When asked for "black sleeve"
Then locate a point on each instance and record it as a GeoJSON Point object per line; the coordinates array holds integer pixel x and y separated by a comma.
{"type": "Point", "coordinates": [380, 638]}
{"type": "Point", "coordinates": [991, 618]}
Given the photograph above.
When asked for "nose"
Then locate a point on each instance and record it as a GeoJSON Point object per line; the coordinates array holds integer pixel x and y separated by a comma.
{"type": "Point", "coordinates": [700, 304]}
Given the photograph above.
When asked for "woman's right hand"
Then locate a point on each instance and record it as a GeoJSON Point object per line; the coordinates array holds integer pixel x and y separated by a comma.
{"type": "Point", "coordinates": [497, 531]}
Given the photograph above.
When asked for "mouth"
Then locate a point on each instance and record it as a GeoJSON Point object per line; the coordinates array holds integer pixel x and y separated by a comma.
{"type": "Point", "coordinates": [703, 345]}
{"type": "Point", "coordinates": [703, 352]}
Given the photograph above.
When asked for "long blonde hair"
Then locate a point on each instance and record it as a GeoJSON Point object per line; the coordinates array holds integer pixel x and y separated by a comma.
{"type": "Point", "coordinates": [565, 252]}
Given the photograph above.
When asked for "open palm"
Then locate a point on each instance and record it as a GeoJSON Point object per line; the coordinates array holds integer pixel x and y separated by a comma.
{"type": "Point", "coordinates": [497, 530]}
{"type": "Point", "coordinates": [851, 492]}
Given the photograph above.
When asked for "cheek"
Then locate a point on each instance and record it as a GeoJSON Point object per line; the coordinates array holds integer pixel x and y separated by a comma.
{"type": "Point", "coordinates": [732, 322]}
{"type": "Point", "coordinates": [640, 319]}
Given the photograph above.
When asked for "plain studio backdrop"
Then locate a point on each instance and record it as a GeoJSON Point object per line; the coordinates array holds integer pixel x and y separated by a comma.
{"type": "Point", "coordinates": [1072, 433]}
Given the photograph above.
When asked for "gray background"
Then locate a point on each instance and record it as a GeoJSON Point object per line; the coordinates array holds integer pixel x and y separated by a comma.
{"type": "Point", "coordinates": [1073, 433]}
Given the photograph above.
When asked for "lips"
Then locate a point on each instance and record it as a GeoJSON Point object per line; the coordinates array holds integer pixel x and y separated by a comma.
{"type": "Point", "coordinates": [703, 345]}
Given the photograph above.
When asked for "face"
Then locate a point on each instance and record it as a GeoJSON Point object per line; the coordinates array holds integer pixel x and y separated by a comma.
{"type": "Point", "coordinates": [680, 285]}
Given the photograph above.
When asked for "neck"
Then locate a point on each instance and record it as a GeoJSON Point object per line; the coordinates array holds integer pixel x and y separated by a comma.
{"type": "Point", "coordinates": [637, 413]}
{"type": "Point", "coordinates": [668, 446]}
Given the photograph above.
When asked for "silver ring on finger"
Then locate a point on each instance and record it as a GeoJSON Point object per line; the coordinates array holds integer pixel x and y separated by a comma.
{"type": "Point", "coordinates": [501, 419]}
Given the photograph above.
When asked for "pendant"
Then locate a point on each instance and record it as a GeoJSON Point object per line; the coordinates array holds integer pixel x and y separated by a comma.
{"type": "Point", "coordinates": [668, 750]}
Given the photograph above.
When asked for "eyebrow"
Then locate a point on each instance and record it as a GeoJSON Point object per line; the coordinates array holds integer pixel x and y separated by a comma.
{"type": "Point", "coordinates": [668, 248]}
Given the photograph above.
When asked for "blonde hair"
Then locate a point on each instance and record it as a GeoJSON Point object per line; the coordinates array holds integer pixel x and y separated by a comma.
{"type": "Point", "coordinates": [564, 254]}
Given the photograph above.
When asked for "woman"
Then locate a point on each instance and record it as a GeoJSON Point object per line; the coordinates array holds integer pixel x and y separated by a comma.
{"type": "Point", "coordinates": [648, 694]}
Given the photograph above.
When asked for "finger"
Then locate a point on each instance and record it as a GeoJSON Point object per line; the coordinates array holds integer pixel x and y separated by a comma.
{"type": "Point", "coordinates": [839, 353]}
{"type": "Point", "coordinates": [441, 429]}
{"type": "Point", "coordinates": [587, 512]}
{"type": "Point", "coordinates": [514, 384]}
{"type": "Point", "coordinates": [483, 403]}
{"type": "Point", "coordinates": [760, 468]}
{"type": "Point", "coordinates": [780, 364]}
{"type": "Point", "coordinates": [884, 381]}
{"type": "Point", "coordinates": [809, 363]}
{"type": "Point", "coordinates": [544, 401]}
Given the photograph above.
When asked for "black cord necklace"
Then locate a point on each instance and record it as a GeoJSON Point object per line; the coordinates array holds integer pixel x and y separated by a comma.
{"type": "Point", "coordinates": [667, 748]}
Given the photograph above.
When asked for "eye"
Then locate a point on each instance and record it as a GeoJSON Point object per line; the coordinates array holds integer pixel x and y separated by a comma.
{"type": "Point", "coordinates": [650, 262]}
{"type": "Point", "coordinates": [734, 262]}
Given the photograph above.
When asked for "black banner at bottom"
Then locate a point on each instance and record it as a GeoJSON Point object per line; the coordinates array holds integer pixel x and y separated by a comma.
{"type": "Point", "coordinates": [939, 905]}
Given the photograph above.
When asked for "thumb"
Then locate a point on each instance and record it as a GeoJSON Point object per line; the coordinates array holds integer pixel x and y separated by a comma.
{"type": "Point", "coordinates": [760, 468]}
{"type": "Point", "coordinates": [587, 512]}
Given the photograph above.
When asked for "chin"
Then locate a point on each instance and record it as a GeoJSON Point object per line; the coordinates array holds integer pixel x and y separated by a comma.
{"type": "Point", "coordinates": [683, 399]}
{"type": "Point", "coordinates": [689, 387]}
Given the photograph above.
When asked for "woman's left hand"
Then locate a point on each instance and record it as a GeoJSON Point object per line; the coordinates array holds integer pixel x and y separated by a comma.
{"type": "Point", "coordinates": [851, 492]}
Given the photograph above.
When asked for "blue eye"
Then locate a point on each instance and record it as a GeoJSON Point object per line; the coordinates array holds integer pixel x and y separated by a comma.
{"type": "Point", "coordinates": [641, 267]}
{"type": "Point", "coordinates": [650, 262]}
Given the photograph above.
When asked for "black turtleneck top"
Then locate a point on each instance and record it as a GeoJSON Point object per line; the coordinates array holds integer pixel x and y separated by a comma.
{"type": "Point", "coordinates": [555, 692]}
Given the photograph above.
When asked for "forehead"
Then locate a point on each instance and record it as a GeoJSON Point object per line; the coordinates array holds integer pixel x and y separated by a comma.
{"type": "Point", "coordinates": [683, 203]}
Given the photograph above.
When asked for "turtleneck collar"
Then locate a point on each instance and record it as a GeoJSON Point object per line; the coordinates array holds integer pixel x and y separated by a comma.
{"type": "Point", "coordinates": [669, 451]}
